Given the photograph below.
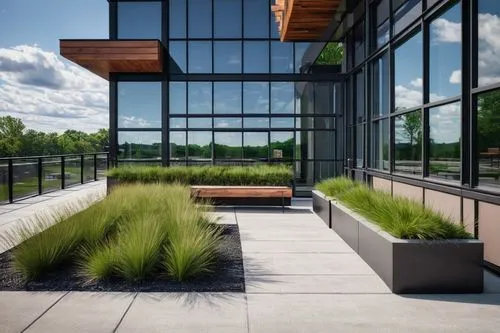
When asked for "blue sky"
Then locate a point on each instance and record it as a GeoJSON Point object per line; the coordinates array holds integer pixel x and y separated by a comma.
{"type": "Point", "coordinates": [36, 84]}
{"type": "Point", "coordinates": [44, 22]}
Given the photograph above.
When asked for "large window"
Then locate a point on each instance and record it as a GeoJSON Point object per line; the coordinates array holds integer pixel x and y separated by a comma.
{"type": "Point", "coordinates": [282, 97]}
{"type": "Point", "coordinates": [139, 145]}
{"type": "Point", "coordinates": [488, 45]}
{"type": "Point", "coordinates": [200, 146]}
{"type": "Point", "coordinates": [380, 32]}
{"type": "Point", "coordinates": [380, 86]}
{"type": "Point", "coordinates": [200, 57]}
{"type": "Point", "coordinates": [178, 57]}
{"type": "Point", "coordinates": [178, 145]}
{"type": "Point", "coordinates": [200, 18]}
{"type": "Point", "coordinates": [227, 18]}
{"type": "Point", "coordinates": [177, 19]}
{"type": "Point", "coordinates": [139, 105]}
{"type": "Point", "coordinates": [282, 57]}
{"type": "Point", "coordinates": [444, 141]}
{"type": "Point", "coordinates": [139, 20]}
{"type": "Point", "coordinates": [177, 98]}
{"type": "Point", "coordinates": [256, 18]}
{"type": "Point", "coordinates": [255, 146]}
{"type": "Point", "coordinates": [405, 12]}
{"type": "Point", "coordinates": [445, 61]}
{"type": "Point", "coordinates": [488, 138]}
{"type": "Point", "coordinates": [256, 55]}
{"type": "Point", "coordinates": [227, 57]}
{"type": "Point", "coordinates": [256, 97]}
{"type": "Point", "coordinates": [380, 144]}
{"type": "Point", "coordinates": [408, 81]}
{"type": "Point", "coordinates": [200, 97]}
{"type": "Point", "coordinates": [227, 97]}
{"type": "Point", "coordinates": [228, 145]}
{"type": "Point", "coordinates": [408, 143]}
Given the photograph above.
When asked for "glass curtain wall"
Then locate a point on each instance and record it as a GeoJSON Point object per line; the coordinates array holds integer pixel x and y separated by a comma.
{"type": "Point", "coordinates": [431, 112]}
{"type": "Point", "coordinates": [234, 94]}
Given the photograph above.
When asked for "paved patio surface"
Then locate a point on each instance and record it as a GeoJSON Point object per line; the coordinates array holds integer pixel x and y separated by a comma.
{"type": "Point", "coordinates": [300, 277]}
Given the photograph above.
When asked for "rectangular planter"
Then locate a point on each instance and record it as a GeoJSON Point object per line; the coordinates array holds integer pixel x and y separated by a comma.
{"type": "Point", "coordinates": [411, 266]}
{"type": "Point", "coordinates": [321, 206]}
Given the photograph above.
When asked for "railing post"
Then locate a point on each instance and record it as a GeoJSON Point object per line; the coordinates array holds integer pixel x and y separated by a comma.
{"type": "Point", "coordinates": [10, 180]}
{"type": "Point", "coordinates": [82, 166]}
{"type": "Point", "coordinates": [95, 167]}
{"type": "Point", "coordinates": [63, 174]}
{"type": "Point", "coordinates": [40, 175]}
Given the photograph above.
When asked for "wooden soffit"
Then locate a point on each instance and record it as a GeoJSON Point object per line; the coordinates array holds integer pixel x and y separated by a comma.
{"type": "Point", "coordinates": [303, 19]}
{"type": "Point", "coordinates": [102, 57]}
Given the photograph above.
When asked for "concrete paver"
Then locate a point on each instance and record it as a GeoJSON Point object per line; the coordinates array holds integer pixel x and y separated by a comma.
{"type": "Point", "coordinates": [318, 246]}
{"type": "Point", "coordinates": [84, 312]}
{"type": "Point", "coordinates": [186, 312]}
{"type": "Point", "coordinates": [19, 309]}
{"type": "Point", "coordinates": [302, 313]}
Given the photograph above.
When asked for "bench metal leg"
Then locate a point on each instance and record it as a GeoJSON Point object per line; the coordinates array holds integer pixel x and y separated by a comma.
{"type": "Point", "coordinates": [282, 203]}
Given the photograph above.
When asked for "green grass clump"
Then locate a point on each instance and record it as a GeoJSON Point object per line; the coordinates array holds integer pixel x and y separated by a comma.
{"type": "Point", "coordinates": [399, 216]}
{"type": "Point", "coordinates": [271, 175]}
{"type": "Point", "coordinates": [137, 232]}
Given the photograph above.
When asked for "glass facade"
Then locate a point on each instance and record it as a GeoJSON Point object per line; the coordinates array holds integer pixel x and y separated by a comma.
{"type": "Point", "coordinates": [233, 93]}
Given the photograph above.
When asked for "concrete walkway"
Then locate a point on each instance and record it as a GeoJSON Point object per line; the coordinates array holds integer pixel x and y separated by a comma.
{"type": "Point", "coordinates": [300, 277]}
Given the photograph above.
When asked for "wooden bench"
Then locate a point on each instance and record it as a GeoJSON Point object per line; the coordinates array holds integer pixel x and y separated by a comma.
{"type": "Point", "coordinates": [245, 195]}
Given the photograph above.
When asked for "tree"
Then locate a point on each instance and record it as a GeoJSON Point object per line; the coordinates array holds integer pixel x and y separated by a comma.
{"type": "Point", "coordinates": [332, 54]}
{"type": "Point", "coordinates": [488, 120]}
{"type": "Point", "coordinates": [11, 132]}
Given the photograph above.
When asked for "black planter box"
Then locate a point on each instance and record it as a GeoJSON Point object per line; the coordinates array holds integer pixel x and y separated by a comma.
{"type": "Point", "coordinates": [321, 206]}
{"type": "Point", "coordinates": [409, 266]}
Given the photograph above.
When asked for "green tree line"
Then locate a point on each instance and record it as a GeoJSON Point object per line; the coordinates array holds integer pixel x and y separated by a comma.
{"type": "Point", "coordinates": [17, 140]}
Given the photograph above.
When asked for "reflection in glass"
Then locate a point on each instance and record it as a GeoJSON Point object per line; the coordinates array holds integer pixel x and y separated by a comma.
{"type": "Point", "coordinates": [256, 55]}
{"type": "Point", "coordinates": [177, 145]}
{"type": "Point", "coordinates": [200, 146]}
{"type": "Point", "coordinates": [488, 138]}
{"type": "Point", "coordinates": [408, 143]}
{"type": "Point", "coordinates": [322, 123]}
{"type": "Point", "coordinates": [227, 122]}
{"type": "Point", "coordinates": [177, 123]}
{"type": "Point", "coordinates": [324, 149]}
{"type": "Point", "coordinates": [408, 79]}
{"type": "Point", "coordinates": [256, 18]}
{"type": "Point", "coordinates": [228, 145]}
{"type": "Point", "coordinates": [227, 57]}
{"type": "Point", "coordinates": [300, 49]}
{"type": "Point", "coordinates": [359, 97]}
{"type": "Point", "coordinates": [359, 43]}
{"type": "Point", "coordinates": [304, 145]}
{"type": "Point", "coordinates": [282, 97]}
{"type": "Point", "coordinates": [178, 60]}
{"type": "Point", "coordinates": [380, 86]}
{"type": "Point", "coordinates": [282, 57]}
{"type": "Point", "coordinates": [304, 122]}
{"type": "Point", "coordinates": [177, 19]}
{"type": "Point", "coordinates": [200, 19]}
{"type": "Point", "coordinates": [282, 145]}
{"type": "Point", "coordinates": [256, 97]}
{"type": "Point", "coordinates": [139, 145]}
{"type": "Point", "coordinates": [200, 57]}
{"type": "Point", "coordinates": [139, 20]}
{"type": "Point", "coordinates": [488, 46]}
{"type": "Point", "coordinates": [405, 12]}
{"type": "Point", "coordinates": [199, 97]}
{"type": "Point", "coordinates": [227, 97]}
{"type": "Point", "coordinates": [256, 122]}
{"type": "Point", "coordinates": [360, 146]}
{"type": "Point", "coordinates": [444, 141]}
{"type": "Point", "coordinates": [275, 34]}
{"type": "Point", "coordinates": [282, 122]}
{"type": "Point", "coordinates": [200, 122]}
{"type": "Point", "coordinates": [139, 105]}
{"type": "Point", "coordinates": [255, 146]}
{"type": "Point", "coordinates": [380, 145]}
{"type": "Point", "coordinates": [445, 61]}
{"type": "Point", "coordinates": [177, 98]}
{"type": "Point", "coordinates": [227, 18]}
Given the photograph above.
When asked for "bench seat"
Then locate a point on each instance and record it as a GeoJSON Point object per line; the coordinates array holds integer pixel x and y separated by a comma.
{"type": "Point", "coordinates": [245, 195]}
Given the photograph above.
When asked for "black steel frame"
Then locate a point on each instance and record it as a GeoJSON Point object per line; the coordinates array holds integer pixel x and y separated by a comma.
{"type": "Point", "coordinates": [13, 162]}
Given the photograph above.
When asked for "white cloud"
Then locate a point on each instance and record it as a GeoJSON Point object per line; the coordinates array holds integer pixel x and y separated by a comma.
{"type": "Point", "coordinates": [417, 83]}
{"type": "Point", "coordinates": [50, 94]}
{"type": "Point", "coordinates": [456, 77]}
{"type": "Point", "coordinates": [489, 49]}
{"type": "Point", "coordinates": [446, 31]}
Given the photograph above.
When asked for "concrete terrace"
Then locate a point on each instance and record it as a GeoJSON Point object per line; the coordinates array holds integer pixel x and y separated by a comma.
{"type": "Point", "coordinates": [300, 277]}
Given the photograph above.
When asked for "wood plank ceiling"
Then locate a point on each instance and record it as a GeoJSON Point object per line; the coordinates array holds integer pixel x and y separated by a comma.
{"type": "Point", "coordinates": [102, 57]}
{"type": "Point", "coordinates": [303, 20]}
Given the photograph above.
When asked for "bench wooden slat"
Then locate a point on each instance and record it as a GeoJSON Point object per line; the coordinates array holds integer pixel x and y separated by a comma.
{"type": "Point", "coordinates": [241, 192]}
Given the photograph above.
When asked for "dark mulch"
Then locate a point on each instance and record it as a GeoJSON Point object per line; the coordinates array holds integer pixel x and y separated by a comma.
{"type": "Point", "coordinates": [228, 275]}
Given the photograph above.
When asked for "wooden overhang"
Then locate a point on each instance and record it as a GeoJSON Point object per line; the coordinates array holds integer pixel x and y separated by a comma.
{"type": "Point", "coordinates": [303, 20]}
{"type": "Point", "coordinates": [102, 57]}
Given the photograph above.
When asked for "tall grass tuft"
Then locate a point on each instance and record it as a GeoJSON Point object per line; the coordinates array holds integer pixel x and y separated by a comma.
{"type": "Point", "coordinates": [271, 175]}
{"type": "Point", "coordinates": [97, 262]}
{"type": "Point", "coordinates": [401, 217]}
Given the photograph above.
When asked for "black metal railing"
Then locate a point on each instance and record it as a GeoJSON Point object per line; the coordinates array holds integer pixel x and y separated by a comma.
{"type": "Point", "coordinates": [22, 177]}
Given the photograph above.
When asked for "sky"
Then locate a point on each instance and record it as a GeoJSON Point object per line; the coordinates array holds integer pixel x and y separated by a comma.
{"type": "Point", "coordinates": [36, 84]}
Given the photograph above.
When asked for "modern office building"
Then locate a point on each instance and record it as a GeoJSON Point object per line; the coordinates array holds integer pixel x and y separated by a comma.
{"type": "Point", "coordinates": [413, 108]}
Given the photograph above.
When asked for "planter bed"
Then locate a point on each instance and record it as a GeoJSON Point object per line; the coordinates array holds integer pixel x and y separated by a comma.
{"type": "Point", "coordinates": [228, 275]}
{"type": "Point", "coordinates": [407, 266]}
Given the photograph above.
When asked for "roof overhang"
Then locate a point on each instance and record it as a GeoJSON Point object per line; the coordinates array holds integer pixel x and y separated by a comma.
{"type": "Point", "coordinates": [303, 20]}
{"type": "Point", "coordinates": [103, 57]}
